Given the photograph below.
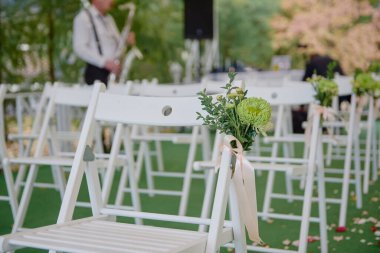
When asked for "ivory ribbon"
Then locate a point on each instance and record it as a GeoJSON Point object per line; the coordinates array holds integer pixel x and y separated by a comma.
{"type": "Point", "coordinates": [377, 108]}
{"type": "Point", "coordinates": [244, 181]}
{"type": "Point", "coordinates": [327, 113]}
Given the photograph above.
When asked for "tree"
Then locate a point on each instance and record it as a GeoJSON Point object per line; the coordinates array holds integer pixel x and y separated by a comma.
{"type": "Point", "coordinates": [348, 31]}
{"type": "Point", "coordinates": [245, 32]}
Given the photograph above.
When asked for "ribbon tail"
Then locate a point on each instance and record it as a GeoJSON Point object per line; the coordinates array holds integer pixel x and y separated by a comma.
{"type": "Point", "coordinates": [244, 181]}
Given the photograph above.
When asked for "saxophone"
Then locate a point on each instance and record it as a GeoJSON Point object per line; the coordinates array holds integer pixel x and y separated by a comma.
{"type": "Point", "coordinates": [125, 60]}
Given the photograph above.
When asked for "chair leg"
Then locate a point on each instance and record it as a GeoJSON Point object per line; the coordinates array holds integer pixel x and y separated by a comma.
{"type": "Point", "coordinates": [268, 193]}
{"type": "Point", "coordinates": [308, 194]}
{"type": "Point", "coordinates": [269, 186]}
{"type": "Point", "coordinates": [59, 178]}
{"type": "Point", "coordinates": [237, 222]}
{"type": "Point", "coordinates": [207, 199]}
{"type": "Point", "coordinates": [148, 168]}
{"type": "Point", "coordinates": [110, 170]}
{"type": "Point", "coordinates": [368, 147]}
{"type": "Point", "coordinates": [57, 171]}
{"type": "Point", "coordinates": [288, 180]}
{"type": "Point", "coordinates": [322, 201]}
{"type": "Point", "coordinates": [122, 185]}
{"type": "Point", "coordinates": [139, 161]}
{"type": "Point", "coordinates": [131, 171]}
{"type": "Point", "coordinates": [20, 178]}
{"type": "Point", "coordinates": [352, 148]}
{"type": "Point", "coordinates": [358, 186]}
{"type": "Point", "coordinates": [188, 171]}
{"type": "Point", "coordinates": [10, 188]}
{"type": "Point", "coordinates": [25, 199]}
{"type": "Point", "coordinates": [374, 157]}
{"type": "Point", "coordinates": [159, 156]}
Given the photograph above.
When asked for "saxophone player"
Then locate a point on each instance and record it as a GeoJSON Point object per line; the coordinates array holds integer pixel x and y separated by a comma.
{"type": "Point", "coordinates": [96, 39]}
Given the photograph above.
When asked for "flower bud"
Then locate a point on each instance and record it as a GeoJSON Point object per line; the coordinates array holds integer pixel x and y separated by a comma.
{"type": "Point", "coordinates": [230, 106]}
{"type": "Point", "coordinates": [232, 95]}
{"type": "Point", "coordinates": [239, 91]}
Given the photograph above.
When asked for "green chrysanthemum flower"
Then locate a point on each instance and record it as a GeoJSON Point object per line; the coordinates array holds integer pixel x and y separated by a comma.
{"type": "Point", "coordinates": [255, 112]}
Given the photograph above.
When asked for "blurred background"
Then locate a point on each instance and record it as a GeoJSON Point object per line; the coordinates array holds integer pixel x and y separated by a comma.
{"type": "Point", "coordinates": [36, 36]}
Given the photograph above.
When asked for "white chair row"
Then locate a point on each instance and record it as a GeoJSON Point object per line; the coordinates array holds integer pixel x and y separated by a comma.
{"type": "Point", "coordinates": [101, 232]}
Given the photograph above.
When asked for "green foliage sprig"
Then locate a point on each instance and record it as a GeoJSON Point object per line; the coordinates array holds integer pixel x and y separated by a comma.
{"type": "Point", "coordinates": [325, 90]}
{"type": "Point", "coordinates": [364, 83]}
{"type": "Point", "coordinates": [235, 114]}
{"type": "Point", "coordinates": [374, 67]}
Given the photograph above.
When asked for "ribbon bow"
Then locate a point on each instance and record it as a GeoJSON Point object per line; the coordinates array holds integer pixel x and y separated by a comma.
{"type": "Point", "coordinates": [327, 113]}
{"type": "Point", "coordinates": [244, 181]}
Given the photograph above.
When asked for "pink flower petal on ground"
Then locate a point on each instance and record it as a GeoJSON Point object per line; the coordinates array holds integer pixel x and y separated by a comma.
{"type": "Point", "coordinates": [341, 229]}
{"type": "Point", "coordinates": [338, 238]}
{"type": "Point", "coordinates": [372, 219]}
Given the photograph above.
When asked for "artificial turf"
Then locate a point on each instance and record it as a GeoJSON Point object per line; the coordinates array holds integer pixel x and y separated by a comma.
{"type": "Point", "coordinates": [360, 236]}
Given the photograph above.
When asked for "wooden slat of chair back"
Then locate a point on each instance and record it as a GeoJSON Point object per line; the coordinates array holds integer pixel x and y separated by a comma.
{"type": "Point", "coordinates": [170, 90]}
{"type": "Point", "coordinates": [296, 94]}
{"type": "Point", "coordinates": [168, 111]}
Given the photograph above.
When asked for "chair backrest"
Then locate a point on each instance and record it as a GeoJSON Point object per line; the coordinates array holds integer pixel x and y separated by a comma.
{"type": "Point", "coordinates": [344, 85]}
{"type": "Point", "coordinates": [126, 110]}
{"type": "Point", "coordinates": [63, 96]}
{"type": "Point", "coordinates": [296, 93]}
{"type": "Point", "coordinates": [157, 111]}
{"type": "Point", "coordinates": [72, 96]}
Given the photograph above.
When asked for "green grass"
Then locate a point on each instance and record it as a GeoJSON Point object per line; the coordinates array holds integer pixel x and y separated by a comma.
{"type": "Point", "coordinates": [45, 206]}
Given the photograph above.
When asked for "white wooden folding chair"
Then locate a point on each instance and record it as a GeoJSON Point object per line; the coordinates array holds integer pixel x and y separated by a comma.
{"type": "Point", "coordinates": [345, 134]}
{"type": "Point", "coordinates": [146, 134]}
{"type": "Point", "coordinates": [76, 97]}
{"type": "Point", "coordinates": [311, 164]}
{"type": "Point", "coordinates": [21, 137]}
{"type": "Point", "coordinates": [308, 165]}
{"type": "Point", "coordinates": [101, 233]}
{"type": "Point", "coordinates": [9, 181]}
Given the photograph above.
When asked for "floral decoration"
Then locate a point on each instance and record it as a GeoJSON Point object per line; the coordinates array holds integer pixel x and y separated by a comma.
{"type": "Point", "coordinates": [235, 114]}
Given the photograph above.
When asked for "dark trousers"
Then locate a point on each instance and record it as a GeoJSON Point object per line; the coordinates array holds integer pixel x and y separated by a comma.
{"type": "Point", "coordinates": [93, 73]}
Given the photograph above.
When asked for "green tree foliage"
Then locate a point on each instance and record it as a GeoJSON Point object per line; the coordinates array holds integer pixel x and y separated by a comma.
{"type": "Point", "coordinates": [244, 30]}
{"type": "Point", "coordinates": [46, 28]}
{"type": "Point", "coordinates": [159, 30]}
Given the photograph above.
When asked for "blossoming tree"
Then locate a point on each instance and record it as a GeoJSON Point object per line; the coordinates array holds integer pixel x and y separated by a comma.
{"type": "Point", "coordinates": [348, 31]}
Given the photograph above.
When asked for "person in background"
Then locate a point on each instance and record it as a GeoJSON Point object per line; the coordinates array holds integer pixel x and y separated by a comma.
{"type": "Point", "coordinates": [95, 41]}
{"type": "Point", "coordinates": [318, 65]}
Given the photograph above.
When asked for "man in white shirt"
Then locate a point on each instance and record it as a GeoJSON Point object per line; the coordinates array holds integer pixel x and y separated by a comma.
{"type": "Point", "coordinates": [95, 41]}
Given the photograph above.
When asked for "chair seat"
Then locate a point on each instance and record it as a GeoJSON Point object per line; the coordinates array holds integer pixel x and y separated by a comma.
{"type": "Point", "coordinates": [98, 235]}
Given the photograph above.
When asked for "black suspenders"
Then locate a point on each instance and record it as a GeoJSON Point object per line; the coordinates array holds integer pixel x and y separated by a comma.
{"type": "Point", "coordinates": [95, 33]}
